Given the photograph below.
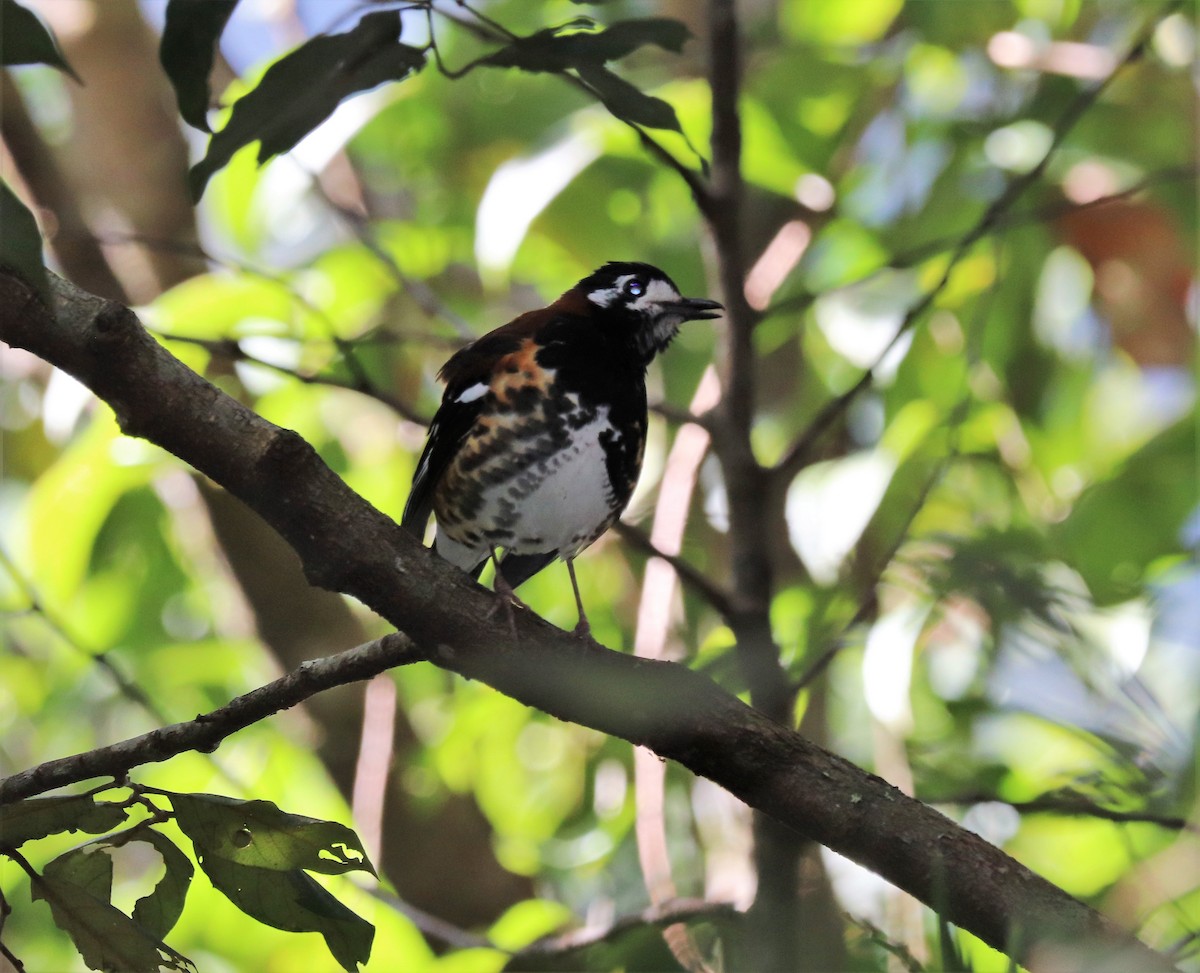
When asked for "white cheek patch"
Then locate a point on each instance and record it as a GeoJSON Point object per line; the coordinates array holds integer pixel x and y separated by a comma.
{"type": "Point", "coordinates": [476, 391]}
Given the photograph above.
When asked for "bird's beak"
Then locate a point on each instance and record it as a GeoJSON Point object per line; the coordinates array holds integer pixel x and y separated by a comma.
{"type": "Point", "coordinates": [695, 308]}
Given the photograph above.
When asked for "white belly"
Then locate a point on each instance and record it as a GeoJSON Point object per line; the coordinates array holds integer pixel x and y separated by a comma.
{"type": "Point", "coordinates": [569, 496]}
{"type": "Point", "coordinates": [558, 504]}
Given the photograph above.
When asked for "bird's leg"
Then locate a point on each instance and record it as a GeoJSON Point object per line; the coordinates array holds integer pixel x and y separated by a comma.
{"type": "Point", "coordinates": [506, 599]}
{"type": "Point", "coordinates": [583, 627]}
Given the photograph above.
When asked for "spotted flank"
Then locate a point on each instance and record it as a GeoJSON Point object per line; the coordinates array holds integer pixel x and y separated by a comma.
{"type": "Point", "coordinates": [538, 443]}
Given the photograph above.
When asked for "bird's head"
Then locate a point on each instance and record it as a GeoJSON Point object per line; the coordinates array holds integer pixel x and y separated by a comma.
{"type": "Point", "coordinates": [645, 301]}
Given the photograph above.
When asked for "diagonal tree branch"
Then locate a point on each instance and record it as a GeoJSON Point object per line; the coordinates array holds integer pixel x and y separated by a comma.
{"type": "Point", "coordinates": [347, 545]}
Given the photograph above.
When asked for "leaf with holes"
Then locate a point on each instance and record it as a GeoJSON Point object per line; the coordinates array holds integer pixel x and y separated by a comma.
{"type": "Point", "coordinates": [158, 911]}
{"type": "Point", "coordinates": [106, 938]}
{"type": "Point", "coordinates": [294, 902]}
{"type": "Point", "coordinates": [26, 40]}
{"type": "Point", "coordinates": [38, 817]}
{"type": "Point", "coordinates": [259, 834]}
{"type": "Point", "coordinates": [90, 867]}
{"type": "Point", "coordinates": [189, 46]}
{"type": "Point", "coordinates": [301, 90]}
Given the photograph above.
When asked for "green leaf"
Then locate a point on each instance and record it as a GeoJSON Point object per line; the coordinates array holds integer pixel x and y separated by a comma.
{"type": "Point", "coordinates": [26, 40]}
{"type": "Point", "coordinates": [106, 938]}
{"type": "Point", "coordinates": [189, 44]}
{"type": "Point", "coordinates": [37, 817]}
{"type": "Point", "coordinates": [1118, 527]}
{"type": "Point", "coordinates": [89, 867]}
{"type": "Point", "coordinates": [158, 911]}
{"type": "Point", "coordinates": [527, 921]}
{"type": "Point", "coordinates": [627, 102]}
{"type": "Point", "coordinates": [294, 902]}
{"type": "Point", "coordinates": [21, 243]}
{"type": "Point", "coordinates": [551, 50]}
{"type": "Point", "coordinates": [260, 835]}
{"type": "Point", "coordinates": [301, 90]}
{"type": "Point", "coordinates": [831, 22]}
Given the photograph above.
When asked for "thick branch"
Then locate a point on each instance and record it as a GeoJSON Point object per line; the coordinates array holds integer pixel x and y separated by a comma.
{"type": "Point", "coordinates": [347, 545]}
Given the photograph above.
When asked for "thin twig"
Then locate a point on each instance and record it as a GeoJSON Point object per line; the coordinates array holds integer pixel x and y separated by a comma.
{"type": "Point", "coordinates": [716, 597]}
{"type": "Point", "coordinates": [798, 455]}
{"type": "Point", "coordinates": [666, 914]}
{"type": "Point", "coordinates": [1071, 806]}
{"type": "Point", "coordinates": [125, 685]}
{"type": "Point", "coordinates": [431, 926]}
{"type": "Point", "coordinates": [1050, 212]}
{"type": "Point", "coordinates": [207, 730]}
{"type": "Point", "coordinates": [231, 349]}
{"type": "Point", "coordinates": [8, 954]}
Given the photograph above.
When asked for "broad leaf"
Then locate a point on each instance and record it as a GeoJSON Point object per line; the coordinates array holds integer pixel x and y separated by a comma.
{"type": "Point", "coordinates": [294, 902]}
{"type": "Point", "coordinates": [1118, 527]}
{"type": "Point", "coordinates": [627, 102]}
{"type": "Point", "coordinates": [37, 817]}
{"type": "Point", "coordinates": [89, 867]}
{"type": "Point", "coordinates": [301, 90]}
{"type": "Point", "coordinates": [158, 911]}
{"type": "Point", "coordinates": [21, 243]}
{"type": "Point", "coordinates": [259, 834]}
{"type": "Point", "coordinates": [551, 50]}
{"type": "Point", "coordinates": [106, 938]}
{"type": "Point", "coordinates": [26, 40]}
{"type": "Point", "coordinates": [189, 45]}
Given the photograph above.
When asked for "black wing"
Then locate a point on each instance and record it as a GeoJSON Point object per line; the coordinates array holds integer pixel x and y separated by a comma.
{"type": "Point", "coordinates": [468, 376]}
{"type": "Point", "coordinates": [446, 433]}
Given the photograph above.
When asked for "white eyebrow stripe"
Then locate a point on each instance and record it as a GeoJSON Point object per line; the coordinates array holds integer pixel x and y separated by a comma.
{"type": "Point", "coordinates": [476, 391]}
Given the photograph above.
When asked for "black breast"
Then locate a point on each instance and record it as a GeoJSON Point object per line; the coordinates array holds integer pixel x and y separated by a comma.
{"type": "Point", "coordinates": [602, 369]}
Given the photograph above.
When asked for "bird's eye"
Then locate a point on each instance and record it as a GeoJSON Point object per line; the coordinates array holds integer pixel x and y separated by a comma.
{"type": "Point", "coordinates": [635, 288]}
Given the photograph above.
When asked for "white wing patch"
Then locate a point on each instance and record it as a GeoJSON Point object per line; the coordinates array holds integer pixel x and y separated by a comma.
{"type": "Point", "coordinates": [476, 391]}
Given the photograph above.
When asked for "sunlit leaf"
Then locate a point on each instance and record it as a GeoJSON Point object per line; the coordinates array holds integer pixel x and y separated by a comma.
{"type": "Point", "coordinates": [258, 834]}
{"type": "Point", "coordinates": [158, 911]}
{"type": "Point", "coordinates": [25, 40]}
{"type": "Point", "coordinates": [222, 306]}
{"type": "Point", "coordinates": [834, 22]}
{"type": "Point", "coordinates": [528, 921]}
{"type": "Point", "coordinates": [1118, 527]}
{"type": "Point", "coordinates": [303, 88]}
{"type": "Point", "coordinates": [294, 902]}
{"type": "Point", "coordinates": [190, 36]}
{"type": "Point", "coordinates": [21, 242]}
{"type": "Point", "coordinates": [36, 817]}
{"type": "Point", "coordinates": [70, 504]}
{"type": "Point", "coordinates": [106, 938]}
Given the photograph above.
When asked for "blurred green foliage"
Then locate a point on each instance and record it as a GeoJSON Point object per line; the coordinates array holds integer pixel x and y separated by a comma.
{"type": "Point", "coordinates": [1017, 488]}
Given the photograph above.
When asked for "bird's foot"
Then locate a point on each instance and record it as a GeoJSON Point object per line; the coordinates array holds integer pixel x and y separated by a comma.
{"type": "Point", "coordinates": [506, 601]}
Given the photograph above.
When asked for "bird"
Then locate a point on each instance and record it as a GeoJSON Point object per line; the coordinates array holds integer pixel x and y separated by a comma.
{"type": "Point", "coordinates": [537, 445]}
